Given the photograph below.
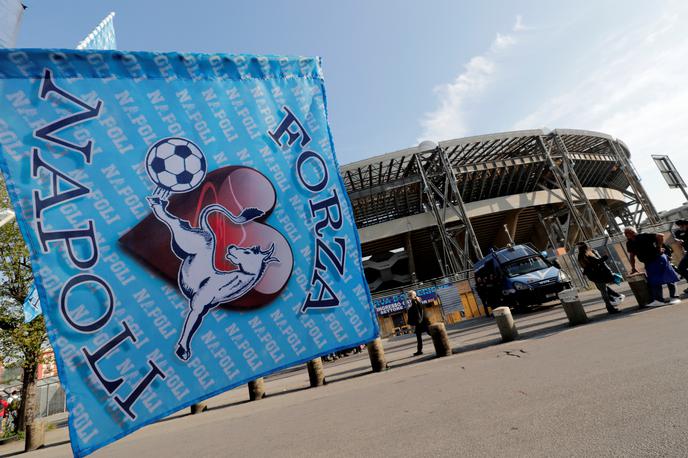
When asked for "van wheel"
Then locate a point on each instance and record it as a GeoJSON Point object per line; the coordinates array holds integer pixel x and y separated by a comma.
{"type": "Point", "coordinates": [520, 308]}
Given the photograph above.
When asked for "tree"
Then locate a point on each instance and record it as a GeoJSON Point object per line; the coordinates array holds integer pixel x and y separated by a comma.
{"type": "Point", "coordinates": [21, 344]}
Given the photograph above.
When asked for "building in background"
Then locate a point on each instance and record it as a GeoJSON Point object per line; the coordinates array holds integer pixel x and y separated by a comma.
{"type": "Point", "coordinates": [426, 214]}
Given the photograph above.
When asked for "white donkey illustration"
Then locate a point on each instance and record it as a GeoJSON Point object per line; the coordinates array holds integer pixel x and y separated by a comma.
{"type": "Point", "coordinates": [203, 285]}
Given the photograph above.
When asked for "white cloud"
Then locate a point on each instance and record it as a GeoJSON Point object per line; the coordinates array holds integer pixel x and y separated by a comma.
{"type": "Point", "coordinates": [502, 42]}
{"type": "Point", "coordinates": [449, 119]}
{"type": "Point", "coordinates": [634, 88]}
{"type": "Point", "coordinates": [519, 26]}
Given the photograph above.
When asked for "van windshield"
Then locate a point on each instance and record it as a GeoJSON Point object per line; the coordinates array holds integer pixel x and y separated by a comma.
{"type": "Point", "coordinates": [525, 266]}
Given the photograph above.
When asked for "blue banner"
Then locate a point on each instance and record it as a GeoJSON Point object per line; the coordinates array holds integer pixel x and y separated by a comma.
{"type": "Point", "coordinates": [389, 305]}
{"type": "Point", "coordinates": [427, 295]}
{"type": "Point", "coordinates": [32, 305]}
{"type": "Point", "coordinates": [397, 303]}
{"type": "Point", "coordinates": [188, 225]}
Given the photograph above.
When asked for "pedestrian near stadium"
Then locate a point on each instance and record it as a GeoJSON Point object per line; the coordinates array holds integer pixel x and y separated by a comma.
{"type": "Point", "coordinates": [648, 249]}
{"type": "Point", "coordinates": [418, 319]}
{"type": "Point", "coordinates": [681, 235]}
{"type": "Point", "coordinates": [595, 268]}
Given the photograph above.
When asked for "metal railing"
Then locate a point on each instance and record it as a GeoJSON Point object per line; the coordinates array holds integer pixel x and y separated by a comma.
{"type": "Point", "coordinates": [50, 397]}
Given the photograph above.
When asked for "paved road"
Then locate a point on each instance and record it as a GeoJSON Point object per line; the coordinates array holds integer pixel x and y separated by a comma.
{"type": "Point", "coordinates": [614, 387]}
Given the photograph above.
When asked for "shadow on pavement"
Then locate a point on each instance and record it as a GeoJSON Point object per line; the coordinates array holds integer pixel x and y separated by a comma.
{"type": "Point", "coordinates": [54, 444]}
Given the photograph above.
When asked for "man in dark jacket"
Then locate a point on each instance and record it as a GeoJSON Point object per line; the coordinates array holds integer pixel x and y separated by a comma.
{"type": "Point", "coordinates": [418, 318]}
{"type": "Point", "coordinates": [649, 249]}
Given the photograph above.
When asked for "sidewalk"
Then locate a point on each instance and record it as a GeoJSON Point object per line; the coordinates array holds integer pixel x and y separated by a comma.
{"type": "Point", "coordinates": [465, 337]}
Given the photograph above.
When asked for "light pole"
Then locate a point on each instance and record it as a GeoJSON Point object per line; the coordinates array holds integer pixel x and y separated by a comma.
{"type": "Point", "coordinates": [670, 173]}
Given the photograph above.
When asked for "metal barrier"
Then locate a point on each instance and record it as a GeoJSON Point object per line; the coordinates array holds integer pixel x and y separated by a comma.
{"type": "Point", "coordinates": [449, 300]}
{"type": "Point", "coordinates": [50, 397]}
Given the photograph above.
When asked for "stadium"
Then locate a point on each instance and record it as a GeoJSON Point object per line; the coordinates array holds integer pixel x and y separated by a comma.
{"type": "Point", "coordinates": [429, 212]}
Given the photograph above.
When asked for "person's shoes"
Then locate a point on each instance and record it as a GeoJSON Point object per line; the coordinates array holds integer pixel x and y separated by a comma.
{"type": "Point", "coordinates": [655, 304]}
{"type": "Point", "coordinates": [418, 353]}
{"type": "Point", "coordinates": [618, 299]}
{"type": "Point", "coordinates": [674, 300]}
{"type": "Point", "coordinates": [613, 311]}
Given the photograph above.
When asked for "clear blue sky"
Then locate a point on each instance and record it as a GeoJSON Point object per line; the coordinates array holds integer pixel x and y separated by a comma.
{"type": "Point", "coordinates": [401, 71]}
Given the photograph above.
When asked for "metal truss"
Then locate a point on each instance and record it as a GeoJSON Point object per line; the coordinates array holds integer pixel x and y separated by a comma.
{"type": "Point", "coordinates": [442, 196]}
{"type": "Point", "coordinates": [639, 206]}
{"type": "Point", "coordinates": [565, 180]}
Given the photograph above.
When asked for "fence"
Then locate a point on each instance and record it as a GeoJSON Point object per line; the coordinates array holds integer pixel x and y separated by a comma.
{"type": "Point", "coordinates": [448, 299]}
{"type": "Point", "coordinates": [50, 397]}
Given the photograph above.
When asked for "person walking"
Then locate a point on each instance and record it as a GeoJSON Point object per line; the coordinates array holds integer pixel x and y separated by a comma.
{"type": "Point", "coordinates": [648, 248]}
{"type": "Point", "coordinates": [595, 268]}
{"type": "Point", "coordinates": [418, 319]}
{"type": "Point", "coordinates": [681, 235]}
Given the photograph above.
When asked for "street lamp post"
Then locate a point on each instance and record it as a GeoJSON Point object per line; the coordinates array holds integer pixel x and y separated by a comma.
{"type": "Point", "coordinates": [670, 173]}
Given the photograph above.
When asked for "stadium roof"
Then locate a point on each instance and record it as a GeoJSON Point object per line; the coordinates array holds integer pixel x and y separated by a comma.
{"type": "Point", "coordinates": [387, 187]}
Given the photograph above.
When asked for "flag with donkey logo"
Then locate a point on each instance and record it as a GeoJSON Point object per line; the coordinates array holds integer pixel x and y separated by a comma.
{"type": "Point", "coordinates": [188, 226]}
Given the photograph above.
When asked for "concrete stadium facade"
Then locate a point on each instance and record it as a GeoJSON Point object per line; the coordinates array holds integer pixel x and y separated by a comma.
{"type": "Point", "coordinates": [439, 207]}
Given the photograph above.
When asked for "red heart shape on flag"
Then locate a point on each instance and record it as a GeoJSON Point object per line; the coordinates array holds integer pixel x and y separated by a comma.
{"type": "Point", "coordinates": [235, 188]}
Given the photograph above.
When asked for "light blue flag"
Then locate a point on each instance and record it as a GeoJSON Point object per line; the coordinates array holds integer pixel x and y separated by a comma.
{"type": "Point", "coordinates": [102, 37]}
{"type": "Point", "coordinates": [32, 305]}
{"type": "Point", "coordinates": [189, 228]}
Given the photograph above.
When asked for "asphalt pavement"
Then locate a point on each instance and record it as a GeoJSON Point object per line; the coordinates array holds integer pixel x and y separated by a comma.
{"type": "Point", "coordinates": [612, 387]}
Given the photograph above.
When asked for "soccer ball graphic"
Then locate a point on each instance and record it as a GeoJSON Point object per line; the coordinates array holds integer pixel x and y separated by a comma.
{"type": "Point", "coordinates": [175, 164]}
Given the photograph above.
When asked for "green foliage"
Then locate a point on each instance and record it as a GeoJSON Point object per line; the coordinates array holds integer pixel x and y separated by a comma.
{"type": "Point", "coordinates": [20, 343]}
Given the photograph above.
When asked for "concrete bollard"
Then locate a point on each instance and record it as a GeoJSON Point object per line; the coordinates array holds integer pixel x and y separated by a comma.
{"type": "Point", "coordinates": [35, 436]}
{"type": "Point", "coordinates": [573, 307]}
{"type": "Point", "coordinates": [256, 389]}
{"type": "Point", "coordinates": [316, 374]}
{"type": "Point", "coordinates": [505, 323]}
{"type": "Point", "coordinates": [440, 339]}
{"type": "Point", "coordinates": [376, 353]}
{"type": "Point", "coordinates": [640, 288]}
{"type": "Point", "coordinates": [198, 408]}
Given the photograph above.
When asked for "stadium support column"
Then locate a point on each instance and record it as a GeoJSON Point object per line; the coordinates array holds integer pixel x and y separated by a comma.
{"type": "Point", "coordinates": [471, 241]}
{"type": "Point", "coordinates": [612, 225]}
{"type": "Point", "coordinates": [642, 201]}
{"type": "Point", "coordinates": [449, 258]}
{"type": "Point", "coordinates": [580, 210]}
{"type": "Point", "coordinates": [411, 260]}
{"type": "Point", "coordinates": [550, 227]}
